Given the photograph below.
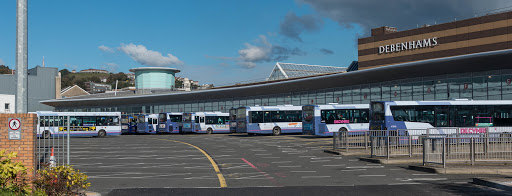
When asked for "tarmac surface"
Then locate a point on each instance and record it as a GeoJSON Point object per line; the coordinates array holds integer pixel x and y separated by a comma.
{"type": "Point", "coordinates": [196, 164]}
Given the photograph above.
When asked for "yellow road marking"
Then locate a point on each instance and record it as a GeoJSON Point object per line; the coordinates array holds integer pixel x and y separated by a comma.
{"type": "Point", "coordinates": [219, 174]}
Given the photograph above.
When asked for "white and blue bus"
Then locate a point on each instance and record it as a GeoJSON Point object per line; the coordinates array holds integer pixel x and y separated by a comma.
{"type": "Point", "coordinates": [232, 120]}
{"type": "Point", "coordinates": [100, 124]}
{"type": "Point", "coordinates": [146, 123]}
{"type": "Point", "coordinates": [323, 120]}
{"type": "Point", "coordinates": [398, 115]}
{"type": "Point", "coordinates": [128, 124]}
{"type": "Point", "coordinates": [206, 122]}
{"type": "Point", "coordinates": [273, 120]}
{"type": "Point", "coordinates": [169, 122]}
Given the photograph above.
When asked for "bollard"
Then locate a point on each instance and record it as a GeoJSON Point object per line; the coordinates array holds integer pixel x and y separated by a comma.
{"type": "Point", "coordinates": [410, 146]}
{"type": "Point", "coordinates": [472, 151]}
{"type": "Point", "coordinates": [425, 146]}
{"type": "Point", "coordinates": [334, 140]}
{"type": "Point", "coordinates": [366, 140]}
{"type": "Point", "coordinates": [387, 147]}
{"type": "Point", "coordinates": [444, 153]}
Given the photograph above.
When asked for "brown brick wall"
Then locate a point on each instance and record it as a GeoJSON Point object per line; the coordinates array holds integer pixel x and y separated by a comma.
{"type": "Point", "coordinates": [480, 34]}
{"type": "Point", "coordinates": [24, 147]}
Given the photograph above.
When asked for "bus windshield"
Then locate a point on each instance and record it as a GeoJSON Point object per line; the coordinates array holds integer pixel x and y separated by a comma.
{"type": "Point", "coordinates": [240, 113]}
{"type": "Point", "coordinates": [141, 119]}
{"type": "Point", "coordinates": [308, 113]}
{"type": "Point", "coordinates": [162, 117]}
{"type": "Point", "coordinates": [377, 111]}
{"type": "Point", "coordinates": [232, 114]}
{"type": "Point", "coordinates": [187, 117]}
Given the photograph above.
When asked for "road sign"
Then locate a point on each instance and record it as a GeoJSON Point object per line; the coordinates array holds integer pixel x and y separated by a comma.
{"type": "Point", "coordinates": [14, 124]}
{"type": "Point", "coordinates": [14, 129]}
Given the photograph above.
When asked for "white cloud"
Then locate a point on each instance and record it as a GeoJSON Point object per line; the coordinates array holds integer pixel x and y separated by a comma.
{"type": "Point", "coordinates": [106, 49]}
{"type": "Point", "coordinates": [252, 53]}
{"type": "Point", "coordinates": [264, 51]}
{"type": "Point", "coordinates": [142, 55]}
{"type": "Point", "coordinates": [2, 62]}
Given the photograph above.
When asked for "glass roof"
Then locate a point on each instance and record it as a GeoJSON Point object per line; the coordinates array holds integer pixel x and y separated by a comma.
{"type": "Point", "coordinates": [291, 70]}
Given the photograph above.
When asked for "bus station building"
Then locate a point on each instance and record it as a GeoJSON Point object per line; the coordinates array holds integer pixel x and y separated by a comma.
{"type": "Point", "coordinates": [464, 59]}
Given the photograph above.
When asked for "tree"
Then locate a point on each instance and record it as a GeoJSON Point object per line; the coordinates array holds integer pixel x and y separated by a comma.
{"type": "Point", "coordinates": [94, 79]}
{"type": "Point", "coordinates": [5, 69]}
{"type": "Point", "coordinates": [64, 72]}
{"type": "Point", "coordinates": [118, 76]}
{"type": "Point", "coordinates": [178, 83]}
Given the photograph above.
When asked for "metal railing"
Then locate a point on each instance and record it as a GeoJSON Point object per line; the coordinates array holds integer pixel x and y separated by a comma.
{"type": "Point", "coordinates": [493, 147]}
{"type": "Point", "coordinates": [52, 138]}
{"type": "Point", "coordinates": [408, 142]}
{"type": "Point", "coordinates": [349, 140]}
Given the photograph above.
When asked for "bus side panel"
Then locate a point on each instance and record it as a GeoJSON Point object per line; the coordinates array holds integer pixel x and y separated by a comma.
{"type": "Point", "coordinates": [221, 128]}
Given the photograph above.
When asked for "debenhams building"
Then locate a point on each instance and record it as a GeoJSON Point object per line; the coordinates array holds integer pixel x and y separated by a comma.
{"type": "Point", "coordinates": [462, 59]}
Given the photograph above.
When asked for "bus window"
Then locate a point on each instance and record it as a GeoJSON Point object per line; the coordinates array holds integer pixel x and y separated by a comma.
{"type": "Point", "coordinates": [364, 116]}
{"type": "Point", "coordinates": [292, 116]}
{"type": "Point", "coordinates": [175, 118]}
{"type": "Point", "coordinates": [425, 114]}
{"type": "Point", "coordinates": [103, 120]}
{"type": "Point", "coordinates": [89, 121]}
{"type": "Point", "coordinates": [277, 116]}
{"type": "Point", "coordinates": [155, 121]}
{"type": "Point", "coordinates": [267, 117]}
{"type": "Point", "coordinates": [465, 116]}
{"type": "Point", "coordinates": [256, 117]}
{"type": "Point", "coordinates": [196, 119]}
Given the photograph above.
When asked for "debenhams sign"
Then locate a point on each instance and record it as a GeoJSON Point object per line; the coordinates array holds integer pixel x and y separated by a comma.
{"type": "Point", "coordinates": [430, 42]}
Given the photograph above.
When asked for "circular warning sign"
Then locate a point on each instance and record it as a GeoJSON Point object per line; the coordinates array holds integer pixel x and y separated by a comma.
{"type": "Point", "coordinates": [14, 124]}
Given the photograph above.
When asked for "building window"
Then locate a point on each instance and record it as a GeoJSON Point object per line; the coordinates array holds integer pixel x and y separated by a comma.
{"type": "Point", "coordinates": [7, 106]}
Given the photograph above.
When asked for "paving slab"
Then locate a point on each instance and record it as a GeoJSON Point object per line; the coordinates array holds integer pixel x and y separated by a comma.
{"type": "Point", "coordinates": [464, 169]}
{"type": "Point", "coordinates": [350, 152]}
{"type": "Point", "coordinates": [392, 161]}
{"type": "Point", "coordinates": [504, 183]}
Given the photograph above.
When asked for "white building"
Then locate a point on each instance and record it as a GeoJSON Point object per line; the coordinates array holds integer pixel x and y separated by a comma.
{"type": "Point", "coordinates": [7, 103]}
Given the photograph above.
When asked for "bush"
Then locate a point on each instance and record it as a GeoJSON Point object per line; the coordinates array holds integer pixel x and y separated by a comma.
{"type": "Point", "coordinates": [13, 175]}
{"type": "Point", "coordinates": [61, 180]}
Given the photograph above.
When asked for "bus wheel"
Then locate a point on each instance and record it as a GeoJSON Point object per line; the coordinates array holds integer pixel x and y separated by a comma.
{"type": "Point", "coordinates": [276, 131]}
{"type": "Point", "coordinates": [209, 131]}
{"type": "Point", "coordinates": [102, 133]}
{"type": "Point", "coordinates": [46, 134]}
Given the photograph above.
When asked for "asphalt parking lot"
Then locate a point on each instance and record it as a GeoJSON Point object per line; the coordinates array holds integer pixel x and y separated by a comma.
{"type": "Point", "coordinates": [180, 162]}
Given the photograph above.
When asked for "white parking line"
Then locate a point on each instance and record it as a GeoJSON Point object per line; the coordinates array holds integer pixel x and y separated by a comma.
{"type": "Point", "coordinates": [319, 161]}
{"type": "Point", "coordinates": [372, 175]}
{"type": "Point", "coordinates": [282, 162]}
{"type": "Point", "coordinates": [424, 174]}
{"type": "Point", "coordinates": [404, 183]}
{"type": "Point", "coordinates": [333, 165]}
{"type": "Point", "coordinates": [303, 171]}
{"type": "Point", "coordinates": [315, 177]}
{"type": "Point", "coordinates": [353, 167]}
{"type": "Point", "coordinates": [354, 170]}
{"type": "Point", "coordinates": [289, 166]}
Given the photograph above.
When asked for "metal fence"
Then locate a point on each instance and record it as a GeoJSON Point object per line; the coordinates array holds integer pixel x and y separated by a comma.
{"type": "Point", "coordinates": [493, 147]}
{"type": "Point", "coordinates": [52, 143]}
{"type": "Point", "coordinates": [351, 140]}
{"type": "Point", "coordinates": [409, 142]}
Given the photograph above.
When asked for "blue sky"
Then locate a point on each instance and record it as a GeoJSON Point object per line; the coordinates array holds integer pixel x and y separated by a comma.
{"type": "Point", "coordinates": [219, 42]}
